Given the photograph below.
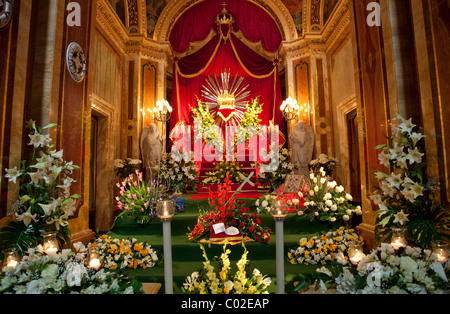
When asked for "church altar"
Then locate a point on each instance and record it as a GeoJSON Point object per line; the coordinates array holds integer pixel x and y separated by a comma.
{"type": "Point", "coordinates": [225, 93]}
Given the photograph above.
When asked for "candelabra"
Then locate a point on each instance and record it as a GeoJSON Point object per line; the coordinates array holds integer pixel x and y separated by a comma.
{"type": "Point", "coordinates": [290, 109]}
{"type": "Point", "coordinates": [279, 211]}
{"type": "Point", "coordinates": [162, 113]}
{"type": "Point", "coordinates": [165, 211]}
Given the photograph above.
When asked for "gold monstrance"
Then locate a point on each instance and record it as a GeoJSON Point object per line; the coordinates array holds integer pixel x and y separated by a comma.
{"type": "Point", "coordinates": [227, 99]}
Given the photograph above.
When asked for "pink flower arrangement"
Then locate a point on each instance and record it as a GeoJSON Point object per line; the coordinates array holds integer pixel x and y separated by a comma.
{"type": "Point", "coordinates": [138, 199]}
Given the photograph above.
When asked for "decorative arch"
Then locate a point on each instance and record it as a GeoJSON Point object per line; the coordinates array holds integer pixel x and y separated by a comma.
{"type": "Point", "coordinates": [174, 9]}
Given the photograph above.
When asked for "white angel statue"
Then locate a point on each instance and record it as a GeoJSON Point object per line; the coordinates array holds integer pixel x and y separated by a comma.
{"type": "Point", "coordinates": [302, 142]}
{"type": "Point", "coordinates": [151, 150]}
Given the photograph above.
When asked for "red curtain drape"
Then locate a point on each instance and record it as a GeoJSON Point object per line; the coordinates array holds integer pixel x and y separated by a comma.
{"type": "Point", "coordinates": [198, 21]}
{"type": "Point", "coordinates": [226, 52]}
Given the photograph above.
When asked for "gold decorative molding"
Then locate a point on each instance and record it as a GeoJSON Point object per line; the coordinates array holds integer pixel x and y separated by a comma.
{"type": "Point", "coordinates": [337, 23]}
{"type": "Point", "coordinates": [129, 44]}
{"type": "Point", "coordinates": [110, 24]}
{"type": "Point", "coordinates": [145, 47]}
{"type": "Point", "coordinates": [319, 41]}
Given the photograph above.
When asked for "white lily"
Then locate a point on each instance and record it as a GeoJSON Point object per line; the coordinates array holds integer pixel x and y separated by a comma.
{"type": "Point", "coordinates": [407, 126]}
{"type": "Point", "coordinates": [48, 208]}
{"type": "Point", "coordinates": [26, 217]}
{"type": "Point", "coordinates": [401, 217]}
{"type": "Point", "coordinates": [12, 174]}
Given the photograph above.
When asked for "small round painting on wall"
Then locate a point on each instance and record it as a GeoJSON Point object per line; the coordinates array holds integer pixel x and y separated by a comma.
{"type": "Point", "coordinates": [76, 62]}
{"type": "Point", "coordinates": [6, 7]}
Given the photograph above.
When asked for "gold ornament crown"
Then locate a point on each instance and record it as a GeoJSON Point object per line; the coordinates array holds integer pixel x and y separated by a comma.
{"type": "Point", "coordinates": [224, 17]}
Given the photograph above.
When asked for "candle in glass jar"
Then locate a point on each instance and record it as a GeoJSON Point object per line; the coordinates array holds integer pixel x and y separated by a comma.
{"type": "Point", "coordinates": [356, 254]}
{"type": "Point", "coordinates": [441, 256]}
{"type": "Point", "coordinates": [397, 244]}
{"type": "Point", "coordinates": [357, 257]}
{"type": "Point", "coordinates": [94, 263]}
{"type": "Point", "coordinates": [51, 249]}
{"type": "Point", "coordinates": [12, 263]}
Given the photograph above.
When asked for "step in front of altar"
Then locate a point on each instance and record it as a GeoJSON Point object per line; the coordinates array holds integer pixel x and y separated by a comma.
{"type": "Point", "coordinates": [187, 255]}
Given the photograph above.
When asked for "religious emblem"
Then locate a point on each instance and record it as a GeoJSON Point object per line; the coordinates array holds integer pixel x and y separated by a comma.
{"type": "Point", "coordinates": [76, 62]}
{"type": "Point", "coordinates": [6, 7]}
{"type": "Point", "coordinates": [226, 98]}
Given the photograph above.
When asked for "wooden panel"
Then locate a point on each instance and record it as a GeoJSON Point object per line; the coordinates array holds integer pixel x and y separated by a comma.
{"type": "Point", "coordinates": [372, 91]}
{"type": "Point", "coordinates": [8, 42]}
{"type": "Point", "coordinates": [129, 147]}
{"type": "Point", "coordinates": [324, 144]}
{"type": "Point", "coordinates": [321, 88]}
{"type": "Point", "coordinates": [131, 91]}
{"type": "Point", "coordinates": [107, 72]}
{"type": "Point", "coordinates": [74, 102]}
{"type": "Point", "coordinates": [440, 17]}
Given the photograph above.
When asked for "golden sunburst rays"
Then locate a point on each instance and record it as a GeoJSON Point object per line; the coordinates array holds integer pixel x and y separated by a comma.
{"type": "Point", "coordinates": [226, 98]}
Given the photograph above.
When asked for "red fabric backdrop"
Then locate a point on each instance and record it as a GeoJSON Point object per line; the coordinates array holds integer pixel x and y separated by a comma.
{"type": "Point", "coordinates": [225, 52]}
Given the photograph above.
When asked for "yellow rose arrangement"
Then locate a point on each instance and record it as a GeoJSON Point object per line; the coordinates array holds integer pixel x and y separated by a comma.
{"type": "Point", "coordinates": [329, 247]}
{"type": "Point", "coordinates": [124, 253]}
{"type": "Point", "coordinates": [223, 169]}
{"type": "Point", "coordinates": [217, 279]}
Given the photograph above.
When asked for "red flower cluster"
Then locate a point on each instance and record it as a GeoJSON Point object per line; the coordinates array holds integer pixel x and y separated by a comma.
{"type": "Point", "coordinates": [232, 213]}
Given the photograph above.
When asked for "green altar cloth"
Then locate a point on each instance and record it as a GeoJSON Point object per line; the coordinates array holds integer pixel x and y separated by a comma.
{"type": "Point", "coordinates": [187, 255]}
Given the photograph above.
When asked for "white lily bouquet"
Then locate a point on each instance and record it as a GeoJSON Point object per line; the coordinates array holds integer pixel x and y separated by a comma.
{"type": "Point", "coordinates": [45, 202]}
{"type": "Point", "coordinates": [67, 272]}
{"type": "Point", "coordinates": [217, 279]}
{"type": "Point", "coordinates": [404, 198]}
{"type": "Point", "coordinates": [180, 174]}
{"type": "Point", "coordinates": [326, 201]}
